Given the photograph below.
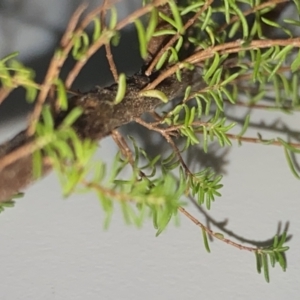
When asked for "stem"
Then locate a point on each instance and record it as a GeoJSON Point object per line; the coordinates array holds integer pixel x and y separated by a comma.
{"type": "Point", "coordinates": [230, 47]}
{"type": "Point", "coordinates": [215, 234]}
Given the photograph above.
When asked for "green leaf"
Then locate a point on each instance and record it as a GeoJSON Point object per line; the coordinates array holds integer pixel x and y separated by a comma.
{"type": "Point", "coordinates": [37, 164]}
{"type": "Point", "coordinates": [245, 125]}
{"type": "Point", "coordinates": [9, 56]}
{"type": "Point", "coordinates": [217, 99]}
{"type": "Point", "coordinates": [265, 266]}
{"type": "Point", "coordinates": [230, 78]}
{"type": "Point", "coordinates": [282, 240]}
{"type": "Point", "coordinates": [152, 24]}
{"type": "Point", "coordinates": [258, 262]}
{"type": "Point", "coordinates": [168, 19]}
{"type": "Point", "coordinates": [142, 38]}
{"type": "Point", "coordinates": [290, 163]}
{"type": "Point", "coordinates": [219, 235]}
{"type": "Point", "coordinates": [97, 29]}
{"type": "Point", "coordinates": [161, 61]}
{"type": "Point", "coordinates": [207, 18]}
{"type": "Point", "coordinates": [113, 18]}
{"type": "Point", "coordinates": [80, 45]}
{"type": "Point", "coordinates": [213, 67]}
{"type": "Point", "coordinates": [155, 94]}
{"type": "Point", "coordinates": [176, 15]}
{"type": "Point", "coordinates": [61, 94]}
{"type": "Point", "coordinates": [164, 32]}
{"type": "Point", "coordinates": [205, 240]}
{"type": "Point", "coordinates": [275, 242]}
{"type": "Point", "coordinates": [72, 116]}
{"type": "Point", "coordinates": [242, 19]}
{"type": "Point", "coordinates": [276, 25]}
{"type": "Point", "coordinates": [121, 89]}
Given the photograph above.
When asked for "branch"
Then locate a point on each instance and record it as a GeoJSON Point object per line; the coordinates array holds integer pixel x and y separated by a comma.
{"type": "Point", "coordinates": [99, 118]}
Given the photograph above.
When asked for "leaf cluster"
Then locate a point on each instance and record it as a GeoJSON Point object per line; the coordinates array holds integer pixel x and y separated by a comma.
{"type": "Point", "coordinates": [14, 74]}
{"type": "Point", "coordinates": [273, 254]}
{"type": "Point", "coordinates": [69, 155]}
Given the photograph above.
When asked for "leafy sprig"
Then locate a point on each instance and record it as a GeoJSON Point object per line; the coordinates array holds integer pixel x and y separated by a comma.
{"type": "Point", "coordinates": [274, 254]}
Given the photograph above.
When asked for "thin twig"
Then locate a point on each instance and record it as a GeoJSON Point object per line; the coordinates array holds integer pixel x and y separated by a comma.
{"type": "Point", "coordinates": [58, 60]}
{"type": "Point", "coordinates": [112, 65]}
{"type": "Point", "coordinates": [262, 106]}
{"type": "Point", "coordinates": [272, 142]}
{"type": "Point", "coordinates": [230, 47]}
{"type": "Point", "coordinates": [175, 128]}
{"type": "Point", "coordinates": [121, 143]}
{"type": "Point", "coordinates": [53, 70]}
{"type": "Point", "coordinates": [107, 191]}
{"type": "Point", "coordinates": [125, 150]}
{"type": "Point", "coordinates": [169, 140]}
{"type": "Point", "coordinates": [215, 234]}
{"type": "Point", "coordinates": [109, 55]}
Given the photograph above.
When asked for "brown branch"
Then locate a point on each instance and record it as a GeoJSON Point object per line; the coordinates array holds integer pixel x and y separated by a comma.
{"type": "Point", "coordinates": [167, 136]}
{"type": "Point", "coordinates": [272, 142]}
{"type": "Point", "coordinates": [53, 70]}
{"type": "Point", "coordinates": [121, 143]}
{"type": "Point", "coordinates": [100, 117]}
{"type": "Point", "coordinates": [230, 47]}
{"type": "Point", "coordinates": [111, 62]}
{"type": "Point", "coordinates": [215, 234]}
{"type": "Point", "coordinates": [262, 106]}
{"type": "Point", "coordinates": [109, 55]}
{"type": "Point", "coordinates": [126, 152]}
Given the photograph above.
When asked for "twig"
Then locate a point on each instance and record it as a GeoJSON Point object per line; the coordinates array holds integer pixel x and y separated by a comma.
{"type": "Point", "coordinates": [111, 62]}
{"type": "Point", "coordinates": [121, 143]}
{"type": "Point", "coordinates": [230, 47]}
{"type": "Point", "coordinates": [109, 55]}
{"type": "Point", "coordinates": [53, 70]}
{"type": "Point", "coordinates": [168, 138]}
{"type": "Point", "coordinates": [262, 106]}
{"type": "Point", "coordinates": [107, 191]}
{"type": "Point", "coordinates": [125, 150]}
{"type": "Point", "coordinates": [215, 234]}
{"type": "Point", "coordinates": [260, 141]}
{"type": "Point", "coordinates": [58, 60]}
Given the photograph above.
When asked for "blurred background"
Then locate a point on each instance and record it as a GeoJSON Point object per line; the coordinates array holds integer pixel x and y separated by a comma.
{"type": "Point", "coordinates": [55, 248]}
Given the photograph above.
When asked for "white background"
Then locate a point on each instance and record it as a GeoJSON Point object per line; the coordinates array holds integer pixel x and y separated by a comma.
{"type": "Point", "coordinates": [54, 248]}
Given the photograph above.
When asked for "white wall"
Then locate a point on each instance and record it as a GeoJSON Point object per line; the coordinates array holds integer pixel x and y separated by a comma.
{"type": "Point", "coordinates": [52, 248]}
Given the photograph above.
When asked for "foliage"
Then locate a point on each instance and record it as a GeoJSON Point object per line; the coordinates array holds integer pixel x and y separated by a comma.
{"type": "Point", "coordinates": [232, 58]}
{"type": "Point", "coordinates": [275, 254]}
{"type": "Point", "coordinates": [10, 202]}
